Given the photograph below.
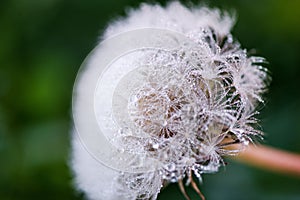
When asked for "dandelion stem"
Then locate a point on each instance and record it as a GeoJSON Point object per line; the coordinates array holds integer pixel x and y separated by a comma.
{"type": "Point", "coordinates": [270, 158]}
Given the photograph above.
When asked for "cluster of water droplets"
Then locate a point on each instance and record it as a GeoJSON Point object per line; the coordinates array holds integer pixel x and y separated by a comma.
{"type": "Point", "coordinates": [171, 91]}
{"type": "Point", "coordinates": [195, 101]}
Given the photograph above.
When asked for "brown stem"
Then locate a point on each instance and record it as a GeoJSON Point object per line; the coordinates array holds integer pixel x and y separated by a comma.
{"type": "Point", "coordinates": [271, 159]}
{"type": "Point", "coordinates": [182, 189]}
{"type": "Point", "coordinates": [195, 187]}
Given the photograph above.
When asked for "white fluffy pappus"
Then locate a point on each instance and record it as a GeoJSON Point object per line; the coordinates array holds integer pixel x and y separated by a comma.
{"type": "Point", "coordinates": [179, 108]}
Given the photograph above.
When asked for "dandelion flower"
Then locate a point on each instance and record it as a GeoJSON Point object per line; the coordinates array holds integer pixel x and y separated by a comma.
{"type": "Point", "coordinates": [160, 99]}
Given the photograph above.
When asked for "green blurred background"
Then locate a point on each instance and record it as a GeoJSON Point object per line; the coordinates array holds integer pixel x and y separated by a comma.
{"type": "Point", "coordinates": [42, 45]}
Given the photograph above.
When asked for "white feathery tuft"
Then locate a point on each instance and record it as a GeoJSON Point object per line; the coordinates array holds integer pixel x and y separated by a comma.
{"type": "Point", "coordinates": [189, 104]}
{"type": "Point", "coordinates": [174, 17]}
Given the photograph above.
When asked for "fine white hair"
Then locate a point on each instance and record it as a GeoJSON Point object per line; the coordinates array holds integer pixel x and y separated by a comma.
{"type": "Point", "coordinates": [190, 103]}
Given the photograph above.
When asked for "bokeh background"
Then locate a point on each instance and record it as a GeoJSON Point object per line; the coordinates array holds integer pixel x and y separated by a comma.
{"type": "Point", "coordinates": [42, 45]}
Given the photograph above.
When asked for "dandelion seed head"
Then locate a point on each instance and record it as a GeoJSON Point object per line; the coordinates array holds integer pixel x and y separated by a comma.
{"type": "Point", "coordinates": [179, 107]}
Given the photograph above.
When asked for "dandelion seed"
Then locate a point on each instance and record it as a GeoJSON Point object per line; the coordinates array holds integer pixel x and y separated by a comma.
{"type": "Point", "coordinates": [165, 105]}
